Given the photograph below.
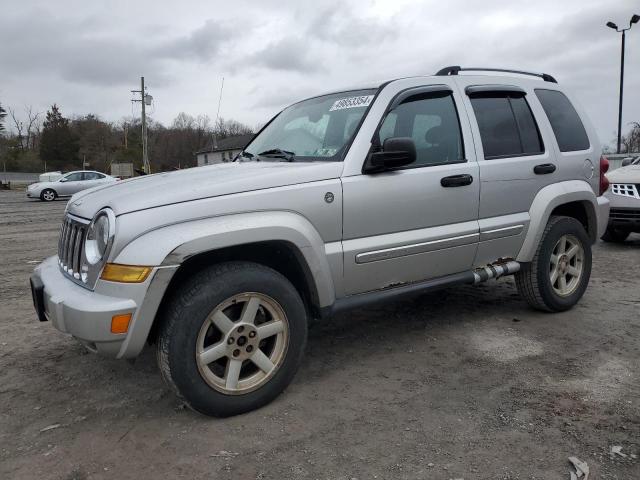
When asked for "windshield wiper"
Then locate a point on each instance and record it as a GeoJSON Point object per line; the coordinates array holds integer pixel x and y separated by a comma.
{"type": "Point", "coordinates": [248, 155]}
{"type": "Point", "coordinates": [279, 153]}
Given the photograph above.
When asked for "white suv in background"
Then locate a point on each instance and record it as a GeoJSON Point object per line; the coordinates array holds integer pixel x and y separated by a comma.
{"type": "Point", "coordinates": [624, 198]}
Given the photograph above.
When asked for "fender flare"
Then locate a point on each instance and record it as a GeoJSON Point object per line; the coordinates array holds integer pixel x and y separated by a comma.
{"type": "Point", "coordinates": [171, 245]}
{"type": "Point", "coordinates": [549, 198]}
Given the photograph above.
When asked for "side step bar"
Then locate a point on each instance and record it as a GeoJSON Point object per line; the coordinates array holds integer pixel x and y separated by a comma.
{"type": "Point", "coordinates": [474, 277]}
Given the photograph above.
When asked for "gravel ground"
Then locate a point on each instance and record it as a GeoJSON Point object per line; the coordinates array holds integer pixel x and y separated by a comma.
{"type": "Point", "coordinates": [463, 383]}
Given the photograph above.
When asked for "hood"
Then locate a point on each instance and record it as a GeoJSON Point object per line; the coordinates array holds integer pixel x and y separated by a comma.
{"type": "Point", "coordinates": [195, 183]}
{"type": "Point", "coordinates": [628, 174]}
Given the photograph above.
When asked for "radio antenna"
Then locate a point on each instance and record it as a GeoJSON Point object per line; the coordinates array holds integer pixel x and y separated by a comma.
{"type": "Point", "coordinates": [215, 125]}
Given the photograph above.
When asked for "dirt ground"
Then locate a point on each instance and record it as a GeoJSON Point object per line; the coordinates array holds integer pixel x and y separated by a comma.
{"type": "Point", "coordinates": [463, 383]}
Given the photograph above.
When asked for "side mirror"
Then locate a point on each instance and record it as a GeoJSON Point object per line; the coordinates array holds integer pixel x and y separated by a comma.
{"type": "Point", "coordinates": [63, 179]}
{"type": "Point", "coordinates": [626, 161]}
{"type": "Point", "coordinates": [396, 152]}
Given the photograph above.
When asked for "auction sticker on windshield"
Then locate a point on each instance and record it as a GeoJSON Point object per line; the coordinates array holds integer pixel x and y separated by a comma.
{"type": "Point", "coordinates": [351, 102]}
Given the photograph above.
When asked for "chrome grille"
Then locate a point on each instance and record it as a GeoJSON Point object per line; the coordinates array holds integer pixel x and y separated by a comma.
{"type": "Point", "coordinates": [70, 247]}
{"type": "Point", "coordinates": [626, 190]}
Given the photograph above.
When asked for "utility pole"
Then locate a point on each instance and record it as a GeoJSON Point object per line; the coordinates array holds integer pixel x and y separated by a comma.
{"type": "Point", "coordinates": [145, 100]}
{"type": "Point", "coordinates": [634, 20]}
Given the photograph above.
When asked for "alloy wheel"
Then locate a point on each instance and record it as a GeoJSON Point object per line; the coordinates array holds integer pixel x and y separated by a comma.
{"type": "Point", "coordinates": [242, 343]}
{"type": "Point", "coordinates": [566, 265]}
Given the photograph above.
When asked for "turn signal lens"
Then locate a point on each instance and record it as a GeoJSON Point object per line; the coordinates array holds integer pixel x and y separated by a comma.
{"type": "Point", "coordinates": [120, 323]}
{"type": "Point", "coordinates": [114, 272]}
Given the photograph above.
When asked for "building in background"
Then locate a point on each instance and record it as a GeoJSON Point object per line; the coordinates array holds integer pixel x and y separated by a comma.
{"type": "Point", "coordinates": [223, 151]}
{"type": "Point", "coordinates": [122, 170]}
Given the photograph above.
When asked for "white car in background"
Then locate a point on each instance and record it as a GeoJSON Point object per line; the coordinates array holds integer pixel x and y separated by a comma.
{"type": "Point", "coordinates": [68, 184]}
{"type": "Point", "coordinates": [624, 198]}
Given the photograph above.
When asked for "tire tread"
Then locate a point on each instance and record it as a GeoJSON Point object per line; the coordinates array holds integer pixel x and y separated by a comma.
{"type": "Point", "coordinates": [207, 279]}
{"type": "Point", "coordinates": [527, 278]}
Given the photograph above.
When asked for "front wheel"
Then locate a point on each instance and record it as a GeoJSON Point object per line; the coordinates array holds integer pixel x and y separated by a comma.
{"type": "Point", "coordinates": [48, 195]}
{"type": "Point", "coordinates": [559, 273]}
{"type": "Point", "coordinates": [232, 338]}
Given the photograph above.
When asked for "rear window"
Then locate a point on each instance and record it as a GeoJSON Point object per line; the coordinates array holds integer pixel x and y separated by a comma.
{"type": "Point", "coordinates": [507, 127]}
{"type": "Point", "coordinates": [564, 120]}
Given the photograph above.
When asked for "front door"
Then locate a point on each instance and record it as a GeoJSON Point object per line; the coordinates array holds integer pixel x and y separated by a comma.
{"type": "Point", "coordinates": [69, 184]}
{"type": "Point", "coordinates": [421, 221]}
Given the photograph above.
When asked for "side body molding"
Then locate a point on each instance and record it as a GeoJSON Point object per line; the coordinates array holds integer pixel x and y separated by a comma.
{"type": "Point", "coordinates": [550, 197]}
{"type": "Point", "coordinates": [171, 245]}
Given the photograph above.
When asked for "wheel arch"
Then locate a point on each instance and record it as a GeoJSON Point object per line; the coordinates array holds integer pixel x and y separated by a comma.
{"type": "Point", "coordinates": [573, 198]}
{"type": "Point", "coordinates": [282, 256]}
{"type": "Point", "coordinates": [284, 241]}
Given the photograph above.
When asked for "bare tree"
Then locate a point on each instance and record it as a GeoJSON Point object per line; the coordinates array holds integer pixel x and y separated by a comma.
{"type": "Point", "coordinates": [27, 132]}
{"type": "Point", "coordinates": [19, 126]}
{"type": "Point", "coordinates": [34, 125]}
{"type": "Point", "coordinates": [631, 140]}
{"type": "Point", "coordinates": [183, 121]}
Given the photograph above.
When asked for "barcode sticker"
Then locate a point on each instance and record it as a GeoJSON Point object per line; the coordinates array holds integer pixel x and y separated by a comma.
{"type": "Point", "coordinates": [352, 102]}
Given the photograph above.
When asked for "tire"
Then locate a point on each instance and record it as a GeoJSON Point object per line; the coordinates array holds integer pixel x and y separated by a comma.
{"type": "Point", "coordinates": [614, 235]}
{"type": "Point", "coordinates": [191, 327]}
{"type": "Point", "coordinates": [48, 195]}
{"type": "Point", "coordinates": [535, 280]}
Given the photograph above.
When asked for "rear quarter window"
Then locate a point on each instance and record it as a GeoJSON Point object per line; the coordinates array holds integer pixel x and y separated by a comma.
{"type": "Point", "coordinates": [565, 121]}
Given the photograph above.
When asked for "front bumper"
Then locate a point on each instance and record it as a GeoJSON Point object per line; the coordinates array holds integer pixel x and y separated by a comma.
{"type": "Point", "coordinates": [627, 219]}
{"type": "Point", "coordinates": [86, 314]}
{"type": "Point", "coordinates": [625, 212]}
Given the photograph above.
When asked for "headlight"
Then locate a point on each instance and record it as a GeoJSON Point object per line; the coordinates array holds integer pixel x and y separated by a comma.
{"type": "Point", "coordinates": [99, 237]}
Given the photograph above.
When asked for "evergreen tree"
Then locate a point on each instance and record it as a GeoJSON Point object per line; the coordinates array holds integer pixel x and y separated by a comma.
{"type": "Point", "coordinates": [58, 145]}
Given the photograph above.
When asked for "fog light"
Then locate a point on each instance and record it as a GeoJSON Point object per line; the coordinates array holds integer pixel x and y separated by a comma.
{"type": "Point", "coordinates": [125, 273]}
{"type": "Point", "coordinates": [120, 323]}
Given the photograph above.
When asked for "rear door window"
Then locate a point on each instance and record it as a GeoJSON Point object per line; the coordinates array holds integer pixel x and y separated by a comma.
{"type": "Point", "coordinates": [564, 120]}
{"type": "Point", "coordinates": [506, 124]}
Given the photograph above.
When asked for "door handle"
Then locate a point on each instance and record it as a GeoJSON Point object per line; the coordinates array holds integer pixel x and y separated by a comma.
{"type": "Point", "coordinates": [456, 180]}
{"type": "Point", "coordinates": [544, 169]}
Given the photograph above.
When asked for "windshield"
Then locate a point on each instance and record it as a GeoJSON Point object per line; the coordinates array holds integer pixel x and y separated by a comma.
{"type": "Point", "coordinates": [315, 129]}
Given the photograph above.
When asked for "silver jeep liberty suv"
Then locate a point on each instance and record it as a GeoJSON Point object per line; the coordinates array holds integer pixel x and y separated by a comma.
{"type": "Point", "coordinates": [340, 200]}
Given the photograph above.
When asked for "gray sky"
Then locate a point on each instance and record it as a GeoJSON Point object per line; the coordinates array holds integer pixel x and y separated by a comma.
{"type": "Point", "coordinates": [86, 56]}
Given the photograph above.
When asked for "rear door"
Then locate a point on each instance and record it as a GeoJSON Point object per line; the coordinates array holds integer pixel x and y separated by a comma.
{"type": "Point", "coordinates": [515, 163]}
{"type": "Point", "coordinates": [93, 179]}
{"type": "Point", "coordinates": [418, 222]}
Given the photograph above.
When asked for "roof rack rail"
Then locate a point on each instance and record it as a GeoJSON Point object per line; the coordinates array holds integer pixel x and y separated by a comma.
{"type": "Point", "coordinates": [453, 70]}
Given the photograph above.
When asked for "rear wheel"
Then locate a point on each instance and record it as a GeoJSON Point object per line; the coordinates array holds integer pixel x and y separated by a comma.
{"type": "Point", "coordinates": [615, 235]}
{"type": "Point", "coordinates": [48, 195]}
{"type": "Point", "coordinates": [232, 338]}
{"type": "Point", "coordinates": [559, 273]}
